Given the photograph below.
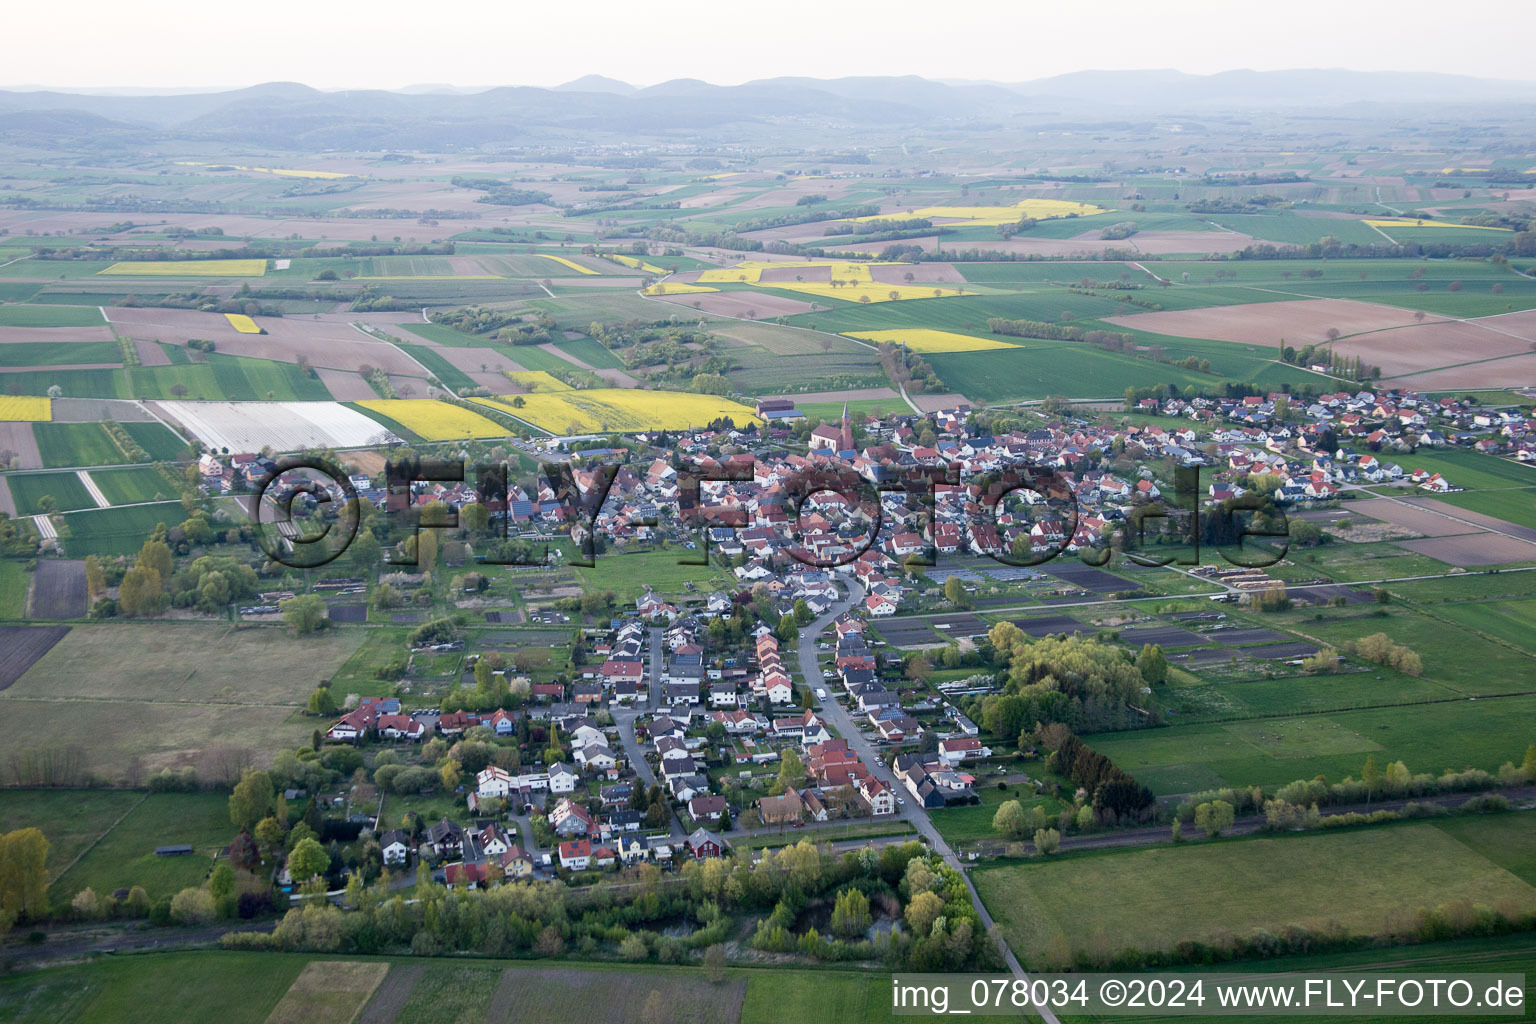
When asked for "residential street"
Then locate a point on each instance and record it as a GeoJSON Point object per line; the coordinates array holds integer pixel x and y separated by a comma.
{"type": "Point", "coordinates": [837, 716]}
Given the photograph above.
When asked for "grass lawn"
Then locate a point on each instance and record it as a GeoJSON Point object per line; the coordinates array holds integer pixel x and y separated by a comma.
{"type": "Point", "coordinates": [1273, 751]}
{"type": "Point", "coordinates": [125, 856]}
{"type": "Point", "coordinates": [1514, 621]}
{"type": "Point", "coordinates": [627, 575]}
{"type": "Point", "coordinates": [974, 824]}
{"type": "Point", "coordinates": [1152, 898]}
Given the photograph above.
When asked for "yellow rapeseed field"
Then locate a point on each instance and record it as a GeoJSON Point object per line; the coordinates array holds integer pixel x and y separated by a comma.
{"type": "Point", "coordinates": [851, 282]}
{"type": "Point", "coordinates": [433, 420]}
{"type": "Point", "coordinates": [605, 410]}
{"type": "Point", "coordinates": [987, 216]}
{"type": "Point", "coordinates": [635, 262]}
{"type": "Point", "coordinates": [678, 288]}
{"type": "Point", "coordinates": [242, 323]}
{"type": "Point", "coordinates": [921, 339]}
{"type": "Point", "coordinates": [538, 380]}
{"type": "Point", "coordinates": [16, 408]}
{"type": "Point", "coordinates": [286, 172]}
{"type": "Point", "coordinates": [188, 268]}
{"type": "Point", "coordinates": [566, 263]}
{"type": "Point", "coordinates": [1406, 222]}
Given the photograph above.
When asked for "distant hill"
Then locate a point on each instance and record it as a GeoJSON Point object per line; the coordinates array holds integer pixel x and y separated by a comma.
{"type": "Point", "coordinates": [290, 115]}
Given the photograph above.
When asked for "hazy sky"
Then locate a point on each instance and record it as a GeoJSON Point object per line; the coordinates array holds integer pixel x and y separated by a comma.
{"type": "Point", "coordinates": [392, 43]}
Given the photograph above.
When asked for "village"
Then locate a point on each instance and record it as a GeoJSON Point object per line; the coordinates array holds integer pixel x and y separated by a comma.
{"type": "Point", "coordinates": [691, 723]}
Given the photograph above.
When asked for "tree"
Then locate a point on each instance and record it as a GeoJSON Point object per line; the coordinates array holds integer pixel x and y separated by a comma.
{"type": "Point", "coordinates": [23, 875]}
{"type": "Point", "coordinates": [1529, 764]}
{"type": "Point", "coordinates": [475, 517]}
{"type": "Point", "coordinates": [321, 702]}
{"type": "Point", "coordinates": [221, 886]}
{"type": "Point", "coordinates": [1211, 818]}
{"type": "Point", "coordinates": [1152, 665]}
{"type": "Point", "coordinates": [251, 799]}
{"type": "Point", "coordinates": [634, 949]}
{"type": "Point", "coordinates": [269, 834]}
{"type": "Point", "coordinates": [307, 860]}
{"type": "Point", "coordinates": [791, 771]}
{"type": "Point", "coordinates": [924, 909]}
{"type": "Point", "coordinates": [305, 613]}
{"type": "Point", "coordinates": [1009, 821]}
{"type": "Point", "coordinates": [156, 555]}
{"type": "Point", "coordinates": [450, 773]}
{"type": "Point", "coordinates": [243, 853]}
{"type": "Point", "coordinates": [788, 627]}
{"type": "Point", "coordinates": [95, 578]}
{"type": "Point", "coordinates": [192, 906]}
{"type": "Point", "coordinates": [1047, 841]}
{"type": "Point", "coordinates": [715, 964]}
{"type": "Point", "coordinates": [954, 591]}
{"type": "Point", "coordinates": [850, 914]}
{"type": "Point", "coordinates": [142, 592]}
{"type": "Point", "coordinates": [86, 904]}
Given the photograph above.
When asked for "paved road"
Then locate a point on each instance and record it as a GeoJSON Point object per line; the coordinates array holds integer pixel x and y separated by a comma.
{"type": "Point", "coordinates": [624, 718]}
{"type": "Point", "coordinates": [835, 714]}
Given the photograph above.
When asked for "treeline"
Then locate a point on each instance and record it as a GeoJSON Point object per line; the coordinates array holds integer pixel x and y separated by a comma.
{"type": "Point", "coordinates": [807, 216]}
{"type": "Point", "coordinates": [1257, 178]}
{"type": "Point", "coordinates": [1113, 789]}
{"type": "Point", "coordinates": [498, 192]}
{"type": "Point", "coordinates": [630, 918]}
{"type": "Point", "coordinates": [1059, 332]}
{"type": "Point", "coordinates": [1523, 243]}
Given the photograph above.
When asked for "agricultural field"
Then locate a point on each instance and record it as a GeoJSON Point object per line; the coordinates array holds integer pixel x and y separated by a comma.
{"type": "Point", "coordinates": [927, 342]}
{"type": "Point", "coordinates": [15, 315]}
{"type": "Point", "coordinates": [157, 694]}
{"type": "Point", "coordinates": [25, 409]}
{"type": "Point", "coordinates": [282, 426]}
{"type": "Point", "coordinates": [567, 263]}
{"type": "Point", "coordinates": [187, 268]}
{"type": "Point", "coordinates": [435, 421]}
{"type": "Point", "coordinates": [538, 380]}
{"type": "Point", "coordinates": [31, 491]}
{"type": "Point", "coordinates": [990, 216]}
{"type": "Point", "coordinates": [603, 410]}
{"type": "Point", "coordinates": [243, 323]}
{"type": "Point", "coordinates": [116, 531]}
{"type": "Point", "coordinates": [1272, 751]}
{"type": "Point", "coordinates": [133, 486]}
{"type": "Point", "coordinates": [1150, 899]}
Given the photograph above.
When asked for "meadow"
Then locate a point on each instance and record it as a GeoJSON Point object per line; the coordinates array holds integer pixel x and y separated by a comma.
{"type": "Point", "coordinates": [124, 855]}
{"type": "Point", "coordinates": [132, 486]}
{"type": "Point", "coordinates": [1151, 898]}
{"type": "Point", "coordinates": [628, 574]}
{"type": "Point", "coordinates": [88, 444]}
{"type": "Point", "coordinates": [1272, 751]}
{"type": "Point", "coordinates": [39, 353]}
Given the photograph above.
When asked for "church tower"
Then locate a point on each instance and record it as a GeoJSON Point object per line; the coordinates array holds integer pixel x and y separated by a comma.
{"type": "Point", "coordinates": [845, 440]}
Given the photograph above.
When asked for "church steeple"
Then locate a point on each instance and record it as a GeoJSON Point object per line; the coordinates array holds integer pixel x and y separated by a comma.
{"type": "Point", "coordinates": [845, 440]}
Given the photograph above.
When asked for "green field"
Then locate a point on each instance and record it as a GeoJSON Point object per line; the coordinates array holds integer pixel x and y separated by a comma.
{"type": "Point", "coordinates": [1152, 898]}
{"type": "Point", "coordinates": [442, 369]}
{"type": "Point", "coordinates": [132, 486]}
{"type": "Point", "coordinates": [72, 820]}
{"type": "Point", "coordinates": [1511, 621]}
{"type": "Point", "coordinates": [590, 351]}
{"type": "Point", "coordinates": [627, 575]}
{"type": "Point", "coordinates": [125, 856]}
{"type": "Point", "coordinates": [117, 531]}
{"type": "Point", "coordinates": [66, 489]}
{"type": "Point", "coordinates": [1516, 505]}
{"type": "Point", "coordinates": [52, 316]}
{"type": "Point", "coordinates": [1273, 751]}
{"type": "Point", "coordinates": [38, 353]}
{"type": "Point", "coordinates": [973, 824]}
{"type": "Point", "coordinates": [13, 590]}
{"type": "Point", "coordinates": [75, 444]}
{"type": "Point", "coordinates": [157, 440]}
{"type": "Point", "coordinates": [1452, 655]}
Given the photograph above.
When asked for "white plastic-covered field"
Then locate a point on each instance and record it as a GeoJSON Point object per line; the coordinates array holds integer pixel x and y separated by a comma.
{"type": "Point", "coordinates": [281, 426]}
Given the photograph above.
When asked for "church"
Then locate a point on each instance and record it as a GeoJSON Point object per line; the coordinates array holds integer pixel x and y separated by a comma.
{"type": "Point", "coordinates": [830, 438]}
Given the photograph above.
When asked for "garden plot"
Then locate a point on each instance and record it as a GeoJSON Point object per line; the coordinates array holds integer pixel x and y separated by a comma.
{"type": "Point", "coordinates": [1048, 624]}
{"type": "Point", "coordinates": [58, 590]}
{"type": "Point", "coordinates": [282, 426]}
